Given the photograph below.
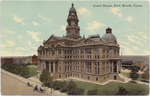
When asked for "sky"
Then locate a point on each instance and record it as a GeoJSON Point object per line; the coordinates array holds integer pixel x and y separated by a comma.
{"type": "Point", "coordinates": [25, 24]}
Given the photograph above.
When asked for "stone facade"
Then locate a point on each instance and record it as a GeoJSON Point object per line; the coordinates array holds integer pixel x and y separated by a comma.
{"type": "Point", "coordinates": [93, 58]}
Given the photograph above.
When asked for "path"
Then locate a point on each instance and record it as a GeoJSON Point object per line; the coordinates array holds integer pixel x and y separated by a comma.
{"type": "Point", "coordinates": [24, 81]}
{"type": "Point", "coordinates": [12, 86]}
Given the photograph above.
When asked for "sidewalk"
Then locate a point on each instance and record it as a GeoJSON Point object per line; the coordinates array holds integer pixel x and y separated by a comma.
{"type": "Point", "coordinates": [33, 81]}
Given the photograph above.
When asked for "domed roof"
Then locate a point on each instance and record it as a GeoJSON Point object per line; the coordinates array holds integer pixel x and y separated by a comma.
{"type": "Point", "coordinates": [72, 9]}
{"type": "Point", "coordinates": [109, 37]}
{"type": "Point", "coordinates": [103, 40]}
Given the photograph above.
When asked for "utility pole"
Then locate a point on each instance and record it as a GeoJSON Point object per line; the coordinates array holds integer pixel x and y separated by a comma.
{"type": "Point", "coordinates": [51, 84]}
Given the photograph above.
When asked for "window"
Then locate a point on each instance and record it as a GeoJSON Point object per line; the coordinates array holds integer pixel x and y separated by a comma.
{"type": "Point", "coordinates": [96, 51]}
{"type": "Point", "coordinates": [98, 70]}
{"type": "Point", "coordinates": [95, 70]}
{"type": "Point", "coordinates": [98, 56]}
{"type": "Point", "coordinates": [69, 33]}
{"type": "Point", "coordinates": [95, 56]}
{"type": "Point", "coordinates": [82, 51]}
{"type": "Point", "coordinates": [96, 79]}
{"type": "Point", "coordinates": [81, 76]}
{"type": "Point", "coordinates": [76, 33]}
{"type": "Point", "coordinates": [59, 51]}
{"type": "Point", "coordinates": [88, 77]}
{"type": "Point", "coordinates": [59, 76]}
{"type": "Point", "coordinates": [114, 53]}
{"type": "Point", "coordinates": [65, 68]}
{"type": "Point", "coordinates": [53, 53]}
{"type": "Point", "coordinates": [103, 50]}
{"type": "Point", "coordinates": [52, 45]}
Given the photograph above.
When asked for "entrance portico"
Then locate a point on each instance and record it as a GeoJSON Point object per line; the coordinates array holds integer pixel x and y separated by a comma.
{"type": "Point", "coordinates": [51, 66]}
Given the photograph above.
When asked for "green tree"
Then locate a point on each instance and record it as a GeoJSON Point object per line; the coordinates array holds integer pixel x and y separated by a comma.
{"type": "Point", "coordinates": [45, 78]}
{"type": "Point", "coordinates": [92, 92]}
{"type": "Point", "coordinates": [57, 85]}
{"type": "Point", "coordinates": [6, 66]}
{"type": "Point", "coordinates": [79, 91]}
{"type": "Point", "coordinates": [64, 86]}
{"type": "Point", "coordinates": [133, 74]}
{"type": "Point", "coordinates": [122, 91]}
{"type": "Point", "coordinates": [24, 71]}
{"type": "Point", "coordinates": [72, 88]}
{"type": "Point", "coordinates": [146, 74]}
{"type": "Point", "coordinates": [17, 69]}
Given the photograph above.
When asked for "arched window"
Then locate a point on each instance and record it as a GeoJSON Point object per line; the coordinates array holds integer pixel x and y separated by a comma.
{"type": "Point", "coordinates": [76, 33]}
{"type": "Point", "coordinates": [52, 45]}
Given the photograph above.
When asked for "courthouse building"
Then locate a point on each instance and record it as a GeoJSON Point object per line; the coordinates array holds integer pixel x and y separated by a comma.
{"type": "Point", "coordinates": [94, 58]}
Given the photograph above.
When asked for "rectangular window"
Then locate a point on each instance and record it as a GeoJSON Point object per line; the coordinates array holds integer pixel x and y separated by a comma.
{"type": "Point", "coordinates": [96, 51]}
{"type": "Point", "coordinates": [96, 79]}
{"type": "Point", "coordinates": [88, 77]}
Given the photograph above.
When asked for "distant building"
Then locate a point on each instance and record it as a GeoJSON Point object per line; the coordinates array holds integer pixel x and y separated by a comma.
{"type": "Point", "coordinates": [130, 64]}
{"type": "Point", "coordinates": [28, 59]}
{"type": "Point", "coordinates": [34, 59]}
{"type": "Point", "coordinates": [3, 60]}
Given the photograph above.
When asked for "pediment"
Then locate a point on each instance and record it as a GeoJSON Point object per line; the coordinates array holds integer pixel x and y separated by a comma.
{"type": "Point", "coordinates": [51, 39]}
{"type": "Point", "coordinates": [88, 41]}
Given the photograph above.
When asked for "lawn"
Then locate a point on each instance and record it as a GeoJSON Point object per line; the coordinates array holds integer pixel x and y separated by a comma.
{"type": "Point", "coordinates": [33, 71]}
{"type": "Point", "coordinates": [112, 89]}
{"type": "Point", "coordinates": [139, 78]}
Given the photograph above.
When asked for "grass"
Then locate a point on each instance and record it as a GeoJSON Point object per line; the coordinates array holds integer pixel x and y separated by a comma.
{"type": "Point", "coordinates": [139, 78]}
{"type": "Point", "coordinates": [33, 71]}
{"type": "Point", "coordinates": [112, 89]}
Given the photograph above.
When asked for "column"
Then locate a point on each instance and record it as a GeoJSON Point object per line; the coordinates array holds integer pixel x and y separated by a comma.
{"type": "Point", "coordinates": [84, 66]}
{"type": "Point", "coordinates": [121, 66]}
{"type": "Point", "coordinates": [117, 66]}
{"type": "Point", "coordinates": [92, 53]}
{"type": "Point", "coordinates": [105, 67]}
{"type": "Point", "coordinates": [54, 63]}
{"type": "Point", "coordinates": [93, 67]}
{"type": "Point", "coordinates": [49, 66]}
{"type": "Point", "coordinates": [42, 53]}
{"type": "Point", "coordinates": [112, 67]}
{"type": "Point", "coordinates": [109, 67]}
{"type": "Point", "coordinates": [100, 70]}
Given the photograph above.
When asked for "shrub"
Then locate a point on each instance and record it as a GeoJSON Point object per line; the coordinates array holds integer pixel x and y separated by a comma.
{"type": "Point", "coordinates": [122, 91]}
{"type": "Point", "coordinates": [92, 92]}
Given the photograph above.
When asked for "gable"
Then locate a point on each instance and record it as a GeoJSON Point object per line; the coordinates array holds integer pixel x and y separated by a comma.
{"type": "Point", "coordinates": [88, 41]}
{"type": "Point", "coordinates": [51, 39]}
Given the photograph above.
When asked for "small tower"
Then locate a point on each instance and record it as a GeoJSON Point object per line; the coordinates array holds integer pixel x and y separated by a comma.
{"type": "Point", "coordinates": [108, 30]}
{"type": "Point", "coordinates": [72, 28]}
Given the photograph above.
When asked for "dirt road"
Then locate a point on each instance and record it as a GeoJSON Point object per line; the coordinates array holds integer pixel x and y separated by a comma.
{"type": "Point", "coordinates": [12, 86]}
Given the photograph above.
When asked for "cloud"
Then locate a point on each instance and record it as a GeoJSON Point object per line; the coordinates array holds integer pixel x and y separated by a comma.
{"type": "Point", "coordinates": [127, 51]}
{"type": "Point", "coordinates": [135, 48]}
{"type": "Point", "coordinates": [33, 47]}
{"type": "Point", "coordinates": [129, 19]}
{"type": "Point", "coordinates": [3, 45]}
{"type": "Point", "coordinates": [116, 11]}
{"type": "Point", "coordinates": [94, 25]}
{"type": "Point", "coordinates": [131, 38]}
{"type": "Point", "coordinates": [20, 48]}
{"type": "Point", "coordinates": [20, 36]}
{"type": "Point", "coordinates": [34, 36]}
{"type": "Point", "coordinates": [8, 31]}
{"type": "Point", "coordinates": [34, 23]}
{"type": "Point", "coordinates": [122, 42]}
{"type": "Point", "coordinates": [83, 10]}
{"type": "Point", "coordinates": [10, 43]}
{"type": "Point", "coordinates": [18, 19]}
{"type": "Point", "coordinates": [146, 52]}
{"type": "Point", "coordinates": [63, 27]}
{"type": "Point", "coordinates": [144, 36]}
{"type": "Point", "coordinates": [44, 18]}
